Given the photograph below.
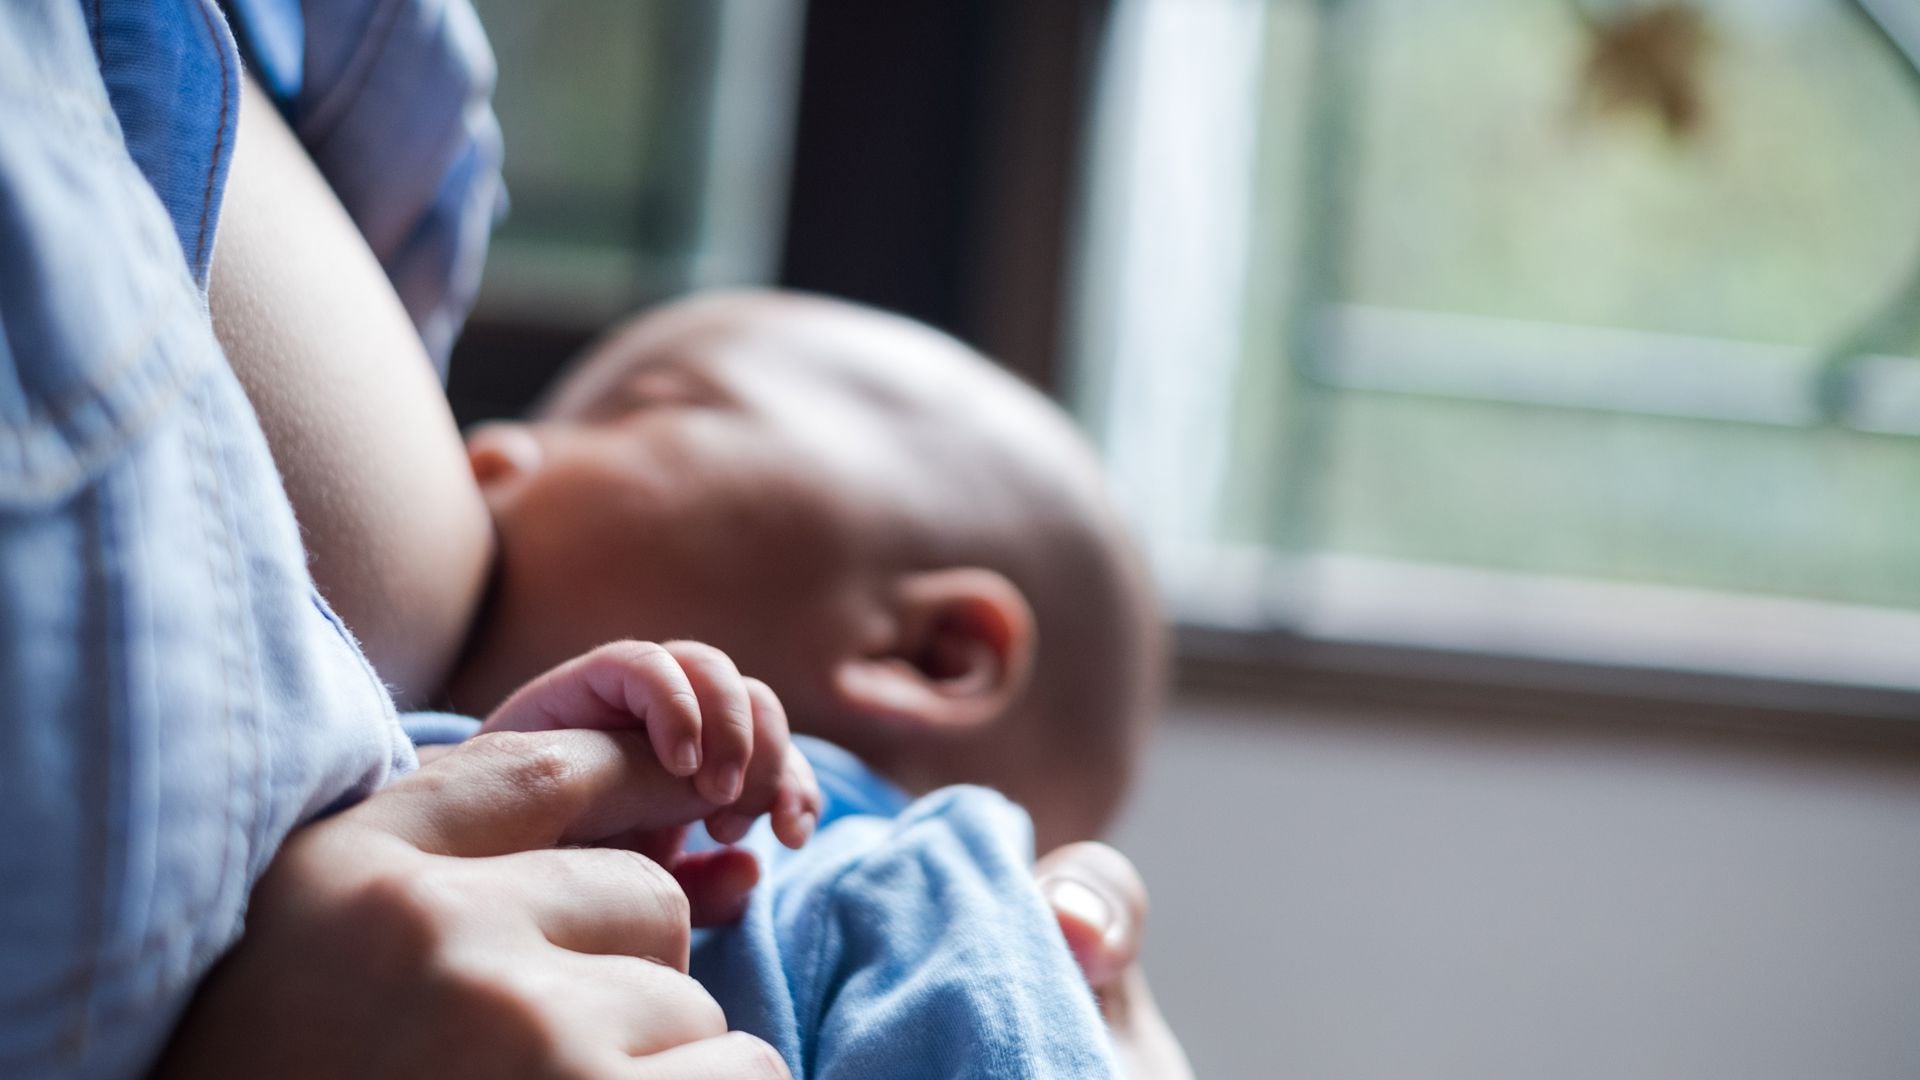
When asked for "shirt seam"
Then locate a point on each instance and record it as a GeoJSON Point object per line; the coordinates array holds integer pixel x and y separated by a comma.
{"type": "Point", "coordinates": [324, 117]}
{"type": "Point", "coordinates": [213, 515]}
{"type": "Point", "coordinates": [200, 253]}
{"type": "Point", "coordinates": [49, 422]}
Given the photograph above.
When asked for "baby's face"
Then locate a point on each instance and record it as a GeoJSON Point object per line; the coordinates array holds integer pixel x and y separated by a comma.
{"type": "Point", "coordinates": [709, 486]}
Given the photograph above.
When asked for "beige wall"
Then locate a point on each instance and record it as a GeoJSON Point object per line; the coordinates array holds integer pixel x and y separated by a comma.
{"type": "Point", "coordinates": [1388, 895]}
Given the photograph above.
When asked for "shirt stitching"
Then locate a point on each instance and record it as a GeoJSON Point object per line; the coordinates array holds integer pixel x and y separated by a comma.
{"type": "Point", "coordinates": [52, 419]}
{"type": "Point", "coordinates": [252, 705]}
{"type": "Point", "coordinates": [94, 945]}
{"type": "Point", "coordinates": [213, 515]}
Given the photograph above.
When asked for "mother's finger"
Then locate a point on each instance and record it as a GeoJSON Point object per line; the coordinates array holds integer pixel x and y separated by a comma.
{"type": "Point", "coordinates": [647, 1007]}
{"type": "Point", "coordinates": [596, 900]}
{"type": "Point", "coordinates": [1101, 904]}
{"type": "Point", "coordinates": [510, 791]}
{"type": "Point", "coordinates": [1145, 1044]}
{"type": "Point", "coordinates": [733, 1056]}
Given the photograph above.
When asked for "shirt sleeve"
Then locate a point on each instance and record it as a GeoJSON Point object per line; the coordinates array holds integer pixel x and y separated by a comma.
{"type": "Point", "coordinates": [174, 696]}
{"type": "Point", "coordinates": [393, 100]}
{"type": "Point", "coordinates": [932, 954]}
{"type": "Point", "coordinates": [396, 108]}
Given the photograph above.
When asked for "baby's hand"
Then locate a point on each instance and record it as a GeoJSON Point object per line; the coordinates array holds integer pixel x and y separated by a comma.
{"type": "Point", "coordinates": [704, 719]}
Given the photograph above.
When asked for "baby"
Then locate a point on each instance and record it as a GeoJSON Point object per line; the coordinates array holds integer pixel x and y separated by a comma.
{"type": "Point", "coordinates": [913, 551]}
{"type": "Point", "coordinates": [910, 547]}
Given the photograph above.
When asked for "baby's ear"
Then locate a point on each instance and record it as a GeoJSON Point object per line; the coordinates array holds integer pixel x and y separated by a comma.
{"type": "Point", "coordinates": [959, 653]}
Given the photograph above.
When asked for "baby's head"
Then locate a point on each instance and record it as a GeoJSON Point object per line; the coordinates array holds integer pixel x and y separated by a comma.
{"type": "Point", "coordinates": [910, 546]}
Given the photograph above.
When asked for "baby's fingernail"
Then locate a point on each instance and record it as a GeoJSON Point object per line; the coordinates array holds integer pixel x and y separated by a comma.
{"type": "Point", "coordinates": [728, 781]}
{"type": "Point", "coordinates": [727, 827]}
{"type": "Point", "coordinates": [806, 823]}
{"type": "Point", "coordinates": [686, 758]}
{"type": "Point", "coordinates": [1070, 897]}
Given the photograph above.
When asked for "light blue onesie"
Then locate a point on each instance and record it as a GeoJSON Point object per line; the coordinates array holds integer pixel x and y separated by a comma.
{"type": "Point", "coordinates": [907, 939]}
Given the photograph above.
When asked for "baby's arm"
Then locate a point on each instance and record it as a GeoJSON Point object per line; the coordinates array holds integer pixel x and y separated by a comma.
{"type": "Point", "coordinates": [702, 717]}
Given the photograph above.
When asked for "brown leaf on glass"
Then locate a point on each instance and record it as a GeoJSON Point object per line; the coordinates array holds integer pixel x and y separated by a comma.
{"type": "Point", "coordinates": [1649, 58]}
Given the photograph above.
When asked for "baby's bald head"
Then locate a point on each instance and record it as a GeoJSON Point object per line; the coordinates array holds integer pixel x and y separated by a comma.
{"type": "Point", "coordinates": [912, 547]}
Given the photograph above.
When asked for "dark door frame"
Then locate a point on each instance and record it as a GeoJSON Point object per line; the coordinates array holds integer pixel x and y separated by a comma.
{"type": "Point", "coordinates": [937, 160]}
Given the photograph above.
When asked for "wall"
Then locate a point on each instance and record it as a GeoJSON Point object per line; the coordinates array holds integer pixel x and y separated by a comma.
{"type": "Point", "coordinates": [1390, 894]}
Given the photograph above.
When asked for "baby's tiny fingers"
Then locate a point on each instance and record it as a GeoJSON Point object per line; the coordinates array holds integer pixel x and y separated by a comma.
{"type": "Point", "coordinates": [766, 773]}
{"type": "Point", "coordinates": [646, 681]}
{"type": "Point", "coordinates": [609, 689]}
{"type": "Point", "coordinates": [797, 809]}
{"type": "Point", "coordinates": [718, 883]}
{"type": "Point", "coordinates": [770, 743]}
{"type": "Point", "coordinates": [726, 713]}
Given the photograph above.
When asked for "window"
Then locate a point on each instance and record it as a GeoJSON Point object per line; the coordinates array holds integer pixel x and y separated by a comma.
{"type": "Point", "coordinates": [1584, 330]}
{"type": "Point", "coordinates": [646, 151]}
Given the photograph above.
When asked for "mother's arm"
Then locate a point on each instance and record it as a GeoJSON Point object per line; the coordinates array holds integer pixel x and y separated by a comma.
{"type": "Point", "coordinates": [400, 542]}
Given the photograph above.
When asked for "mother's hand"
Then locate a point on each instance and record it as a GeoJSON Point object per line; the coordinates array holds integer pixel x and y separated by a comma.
{"type": "Point", "coordinates": [1102, 906]}
{"type": "Point", "coordinates": [444, 928]}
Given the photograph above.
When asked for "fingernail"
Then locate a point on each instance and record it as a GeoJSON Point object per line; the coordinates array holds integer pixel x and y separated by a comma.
{"type": "Point", "coordinates": [686, 758]}
{"type": "Point", "coordinates": [727, 827]}
{"type": "Point", "coordinates": [1070, 897]}
{"type": "Point", "coordinates": [728, 782]}
{"type": "Point", "coordinates": [807, 822]}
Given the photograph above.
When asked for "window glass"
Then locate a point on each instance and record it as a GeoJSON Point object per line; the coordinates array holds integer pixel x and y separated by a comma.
{"type": "Point", "coordinates": [1609, 290]}
{"type": "Point", "coordinates": [1581, 279]}
{"type": "Point", "coordinates": [646, 149]}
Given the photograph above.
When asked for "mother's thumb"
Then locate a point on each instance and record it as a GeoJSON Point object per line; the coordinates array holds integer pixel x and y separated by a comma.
{"type": "Point", "coordinates": [511, 791]}
{"type": "Point", "coordinates": [1101, 904]}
